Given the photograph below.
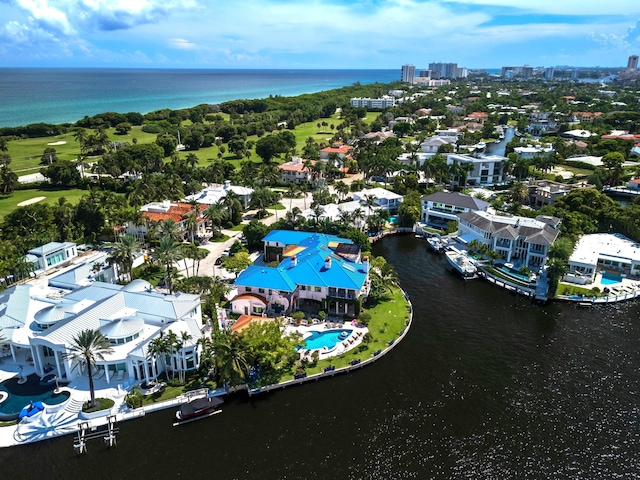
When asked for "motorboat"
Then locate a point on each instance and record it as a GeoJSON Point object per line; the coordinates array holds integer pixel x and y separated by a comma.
{"type": "Point", "coordinates": [199, 408]}
{"type": "Point", "coordinates": [461, 262]}
{"type": "Point", "coordinates": [480, 146]}
{"type": "Point", "coordinates": [436, 243]}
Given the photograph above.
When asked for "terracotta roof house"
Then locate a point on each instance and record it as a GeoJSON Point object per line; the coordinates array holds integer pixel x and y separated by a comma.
{"type": "Point", "coordinates": [295, 171]}
{"type": "Point", "coordinates": [167, 210]}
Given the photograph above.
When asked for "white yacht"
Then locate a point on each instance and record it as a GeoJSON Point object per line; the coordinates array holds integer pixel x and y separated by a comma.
{"type": "Point", "coordinates": [461, 262]}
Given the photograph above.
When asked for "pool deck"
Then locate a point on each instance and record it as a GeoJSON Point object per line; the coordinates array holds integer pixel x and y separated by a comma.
{"type": "Point", "coordinates": [626, 289]}
{"type": "Point", "coordinates": [61, 419]}
{"type": "Point", "coordinates": [342, 346]}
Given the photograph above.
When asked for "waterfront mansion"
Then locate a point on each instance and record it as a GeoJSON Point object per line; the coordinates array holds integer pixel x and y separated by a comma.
{"type": "Point", "coordinates": [40, 324]}
{"type": "Point", "coordinates": [519, 240]}
{"type": "Point", "coordinates": [314, 272]}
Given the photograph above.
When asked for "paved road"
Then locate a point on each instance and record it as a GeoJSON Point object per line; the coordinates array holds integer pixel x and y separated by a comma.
{"type": "Point", "coordinates": [207, 267]}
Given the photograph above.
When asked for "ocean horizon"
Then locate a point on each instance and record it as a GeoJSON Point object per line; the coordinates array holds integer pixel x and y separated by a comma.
{"type": "Point", "coordinates": [66, 95]}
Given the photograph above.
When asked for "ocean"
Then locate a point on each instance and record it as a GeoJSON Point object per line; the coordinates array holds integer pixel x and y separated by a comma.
{"type": "Point", "coordinates": [67, 95]}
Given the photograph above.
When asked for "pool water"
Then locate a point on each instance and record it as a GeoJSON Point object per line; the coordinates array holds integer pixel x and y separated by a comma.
{"type": "Point", "coordinates": [21, 395]}
{"type": "Point", "coordinates": [514, 273]}
{"type": "Point", "coordinates": [393, 219]}
{"type": "Point", "coordinates": [329, 339]}
{"type": "Point", "coordinates": [608, 279]}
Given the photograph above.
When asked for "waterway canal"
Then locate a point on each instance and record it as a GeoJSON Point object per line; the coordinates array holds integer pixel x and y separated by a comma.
{"type": "Point", "coordinates": [486, 385]}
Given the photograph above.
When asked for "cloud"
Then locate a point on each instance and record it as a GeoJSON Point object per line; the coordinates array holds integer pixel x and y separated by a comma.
{"type": "Point", "coordinates": [558, 7]}
{"type": "Point", "coordinates": [182, 44]}
{"type": "Point", "coordinates": [72, 16]}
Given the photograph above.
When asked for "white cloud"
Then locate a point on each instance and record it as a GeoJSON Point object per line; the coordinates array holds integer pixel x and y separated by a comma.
{"type": "Point", "coordinates": [560, 7]}
{"type": "Point", "coordinates": [182, 44]}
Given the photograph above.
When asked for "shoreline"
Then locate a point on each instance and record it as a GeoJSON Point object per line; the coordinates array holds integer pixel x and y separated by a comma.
{"type": "Point", "coordinates": [147, 90]}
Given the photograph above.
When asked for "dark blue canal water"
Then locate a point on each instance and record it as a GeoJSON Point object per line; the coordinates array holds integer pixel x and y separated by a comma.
{"type": "Point", "coordinates": [485, 386]}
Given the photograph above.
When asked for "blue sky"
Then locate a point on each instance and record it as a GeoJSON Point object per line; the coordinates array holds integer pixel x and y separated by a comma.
{"type": "Point", "coordinates": [317, 33]}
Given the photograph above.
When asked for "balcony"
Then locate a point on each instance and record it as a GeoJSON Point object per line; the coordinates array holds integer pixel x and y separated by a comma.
{"type": "Point", "coordinates": [341, 293]}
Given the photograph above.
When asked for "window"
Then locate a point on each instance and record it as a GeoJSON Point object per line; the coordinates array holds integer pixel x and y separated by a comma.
{"type": "Point", "coordinates": [247, 289]}
{"type": "Point", "coordinates": [318, 289]}
{"type": "Point", "coordinates": [261, 290]}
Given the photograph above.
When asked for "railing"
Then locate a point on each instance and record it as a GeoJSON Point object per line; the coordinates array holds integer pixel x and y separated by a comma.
{"type": "Point", "coordinates": [354, 365]}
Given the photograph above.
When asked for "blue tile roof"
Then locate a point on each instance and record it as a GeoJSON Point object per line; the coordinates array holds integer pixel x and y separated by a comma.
{"type": "Point", "coordinates": [294, 237]}
{"type": "Point", "coordinates": [310, 265]}
{"type": "Point", "coordinates": [266, 277]}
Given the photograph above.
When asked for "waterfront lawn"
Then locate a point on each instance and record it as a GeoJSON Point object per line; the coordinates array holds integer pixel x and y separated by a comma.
{"type": "Point", "coordinates": [571, 289]}
{"type": "Point", "coordinates": [9, 203]}
{"type": "Point", "coordinates": [169, 392]}
{"type": "Point", "coordinates": [388, 319]}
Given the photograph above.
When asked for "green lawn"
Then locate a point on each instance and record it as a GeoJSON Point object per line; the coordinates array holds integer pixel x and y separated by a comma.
{"type": "Point", "coordinates": [26, 153]}
{"type": "Point", "coordinates": [388, 319]}
{"type": "Point", "coordinates": [10, 203]}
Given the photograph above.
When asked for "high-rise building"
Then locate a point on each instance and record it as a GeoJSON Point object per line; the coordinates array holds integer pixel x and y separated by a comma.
{"type": "Point", "coordinates": [632, 64]}
{"type": "Point", "coordinates": [408, 73]}
{"type": "Point", "coordinates": [522, 72]}
{"type": "Point", "coordinates": [548, 73]}
{"type": "Point", "coordinates": [447, 70]}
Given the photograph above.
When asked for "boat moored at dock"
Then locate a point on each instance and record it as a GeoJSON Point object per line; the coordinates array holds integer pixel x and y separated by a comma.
{"type": "Point", "coordinates": [461, 262]}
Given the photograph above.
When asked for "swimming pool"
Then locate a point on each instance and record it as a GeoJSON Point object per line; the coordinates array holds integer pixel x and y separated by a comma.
{"type": "Point", "coordinates": [32, 391]}
{"type": "Point", "coordinates": [514, 273]}
{"type": "Point", "coordinates": [329, 338]}
{"type": "Point", "coordinates": [393, 219]}
{"type": "Point", "coordinates": [609, 279]}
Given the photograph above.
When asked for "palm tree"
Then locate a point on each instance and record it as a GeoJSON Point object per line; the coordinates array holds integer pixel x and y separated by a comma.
{"type": "Point", "coordinates": [519, 192]}
{"type": "Point", "coordinates": [191, 223]}
{"type": "Point", "coordinates": [185, 338]}
{"type": "Point", "coordinates": [358, 216]}
{"type": "Point", "coordinates": [232, 202]}
{"type": "Point", "coordinates": [167, 253]}
{"type": "Point", "coordinates": [170, 229]}
{"type": "Point", "coordinates": [86, 349]}
{"type": "Point", "coordinates": [122, 254]}
{"type": "Point", "coordinates": [159, 347]}
{"type": "Point", "coordinates": [342, 189]}
{"type": "Point", "coordinates": [214, 214]}
{"type": "Point", "coordinates": [231, 357]}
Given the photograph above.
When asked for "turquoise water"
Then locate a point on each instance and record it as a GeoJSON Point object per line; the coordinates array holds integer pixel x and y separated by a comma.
{"type": "Point", "coordinates": [66, 95]}
{"type": "Point", "coordinates": [608, 279]}
{"type": "Point", "coordinates": [21, 395]}
{"type": "Point", "coordinates": [515, 274]}
{"type": "Point", "coordinates": [327, 339]}
{"type": "Point", "coordinates": [393, 219]}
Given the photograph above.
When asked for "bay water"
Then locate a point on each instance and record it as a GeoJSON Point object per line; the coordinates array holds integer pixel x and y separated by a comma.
{"type": "Point", "coordinates": [486, 385]}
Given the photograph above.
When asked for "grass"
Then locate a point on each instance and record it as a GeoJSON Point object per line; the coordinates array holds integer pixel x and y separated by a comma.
{"type": "Point", "coordinates": [237, 228]}
{"type": "Point", "coordinates": [277, 206]}
{"type": "Point", "coordinates": [9, 203]}
{"type": "Point", "coordinates": [570, 289]}
{"type": "Point", "coordinates": [388, 319]}
{"type": "Point", "coordinates": [101, 404]}
{"type": "Point", "coordinates": [173, 391]}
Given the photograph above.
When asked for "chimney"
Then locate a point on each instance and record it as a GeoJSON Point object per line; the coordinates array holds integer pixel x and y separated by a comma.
{"type": "Point", "coordinates": [294, 261]}
{"type": "Point", "coordinates": [327, 263]}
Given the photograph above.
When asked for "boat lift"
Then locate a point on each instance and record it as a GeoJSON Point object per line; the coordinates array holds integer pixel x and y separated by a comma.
{"type": "Point", "coordinates": [87, 432]}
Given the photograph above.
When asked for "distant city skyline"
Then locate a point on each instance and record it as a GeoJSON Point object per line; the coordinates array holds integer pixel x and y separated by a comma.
{"type": "Point", "coordinates": [372, 34]}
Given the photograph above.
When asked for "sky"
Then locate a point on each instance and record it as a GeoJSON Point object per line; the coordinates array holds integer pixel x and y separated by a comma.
{"type": "Point", "coordinates": [306, 34]}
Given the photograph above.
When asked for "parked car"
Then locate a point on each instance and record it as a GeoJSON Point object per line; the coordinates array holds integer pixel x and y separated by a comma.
{"type": "Point", "coordinates": [226, 252]}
